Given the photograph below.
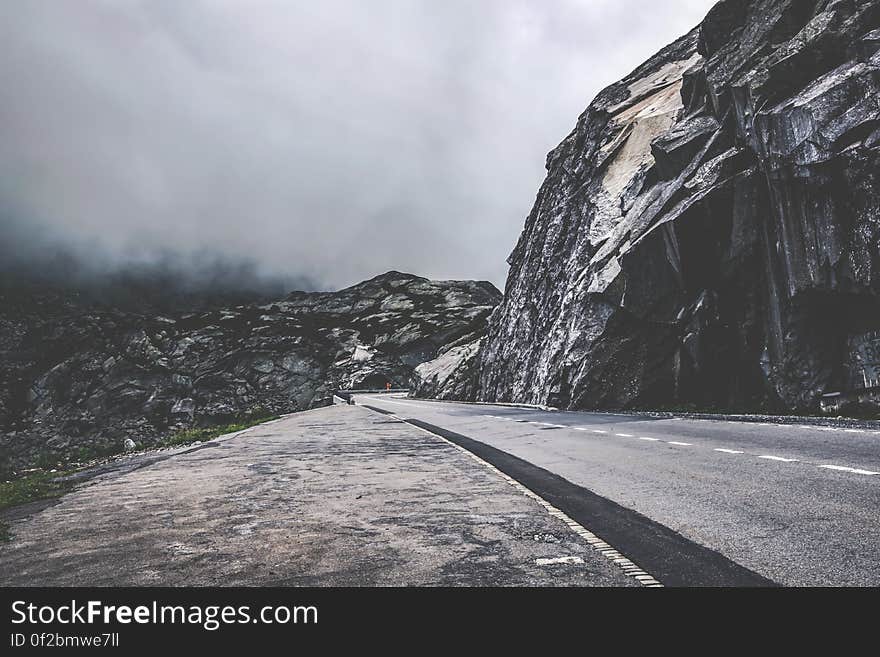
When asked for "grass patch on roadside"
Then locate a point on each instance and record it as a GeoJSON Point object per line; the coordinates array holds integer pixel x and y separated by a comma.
{"type": "Point", "coordinates": [45, 485]}
{"type": "Point", "coordinates": [189, 436]}
{"type": "Point", "coordinates": [32, 487]}
{"type": "Point", "coordinates": [92, 453]}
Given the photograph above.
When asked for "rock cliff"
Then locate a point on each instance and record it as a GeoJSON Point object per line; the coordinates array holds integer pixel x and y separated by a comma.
{"type": "Point", "coordinates": [81, 377]}
{"type": "Point", "coordinates": [708, 234]}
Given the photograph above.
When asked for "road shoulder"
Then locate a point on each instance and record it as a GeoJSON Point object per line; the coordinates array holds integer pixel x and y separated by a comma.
{"type": "Point", "coordinates": [340, 496]}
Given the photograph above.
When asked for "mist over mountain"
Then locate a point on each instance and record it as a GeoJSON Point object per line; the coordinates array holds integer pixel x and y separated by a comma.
{"type": "Point", "coordinates": [162, 284]}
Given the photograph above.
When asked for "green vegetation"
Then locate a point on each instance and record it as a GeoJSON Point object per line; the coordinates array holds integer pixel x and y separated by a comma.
{"type": "Point", "coordinates": [45, 485]}
{"type": "Point", "coordinates": [31, 487]}
{"type": "Point", "coordinates": [189, 436]}
{"type": "Point", "coordinates": [97, 452]}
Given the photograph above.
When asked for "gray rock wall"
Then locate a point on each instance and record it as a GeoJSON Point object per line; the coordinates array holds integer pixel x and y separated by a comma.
{"type": "Point", "coordinates": [707, 235]}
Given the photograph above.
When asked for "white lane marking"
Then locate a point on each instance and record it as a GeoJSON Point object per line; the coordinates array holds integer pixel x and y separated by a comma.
{"type": "Point", "coordinates": [843, 468]}
{"type": "Point", "coordinates": [837, 468]}
{"type": "Point", "coordinates": [402, 400]}
{"type": "Point", "coordinates": [558, 560]}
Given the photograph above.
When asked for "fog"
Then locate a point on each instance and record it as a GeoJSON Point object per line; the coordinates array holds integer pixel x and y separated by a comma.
{"type": "Point", "coordinates": [313, 141]}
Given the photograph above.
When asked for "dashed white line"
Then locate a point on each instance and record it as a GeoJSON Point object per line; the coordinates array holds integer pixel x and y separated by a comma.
{"type": "Point", "coordinates": [843, 468]}
{"type": "Point", "coordinates": [768, 457]}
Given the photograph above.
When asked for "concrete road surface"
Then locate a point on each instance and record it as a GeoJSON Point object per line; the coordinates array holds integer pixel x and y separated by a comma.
{"type": "Point", "coordinates": [335, 496]}
{"type": "Point", "coordinates": [694, 502]}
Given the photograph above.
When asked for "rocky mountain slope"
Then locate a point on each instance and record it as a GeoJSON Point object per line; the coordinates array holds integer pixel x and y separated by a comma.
{"type": "Point", "coordinates": [454, 374]}
{"type": "Point", "coordinates": [708, 233]}
{"type": "Point", "coordinates": [81, 377]}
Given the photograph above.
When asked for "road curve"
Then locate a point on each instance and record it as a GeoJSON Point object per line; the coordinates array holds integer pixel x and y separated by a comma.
{"type": "Point", "coordinates": [788, 504]}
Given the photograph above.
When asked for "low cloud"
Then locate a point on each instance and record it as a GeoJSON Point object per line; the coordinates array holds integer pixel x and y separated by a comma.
{"type": "Point", "coordinates": [322, 141]}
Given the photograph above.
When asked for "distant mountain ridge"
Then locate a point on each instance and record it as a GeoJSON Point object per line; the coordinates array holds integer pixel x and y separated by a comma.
{"type": "Point", "coordinates": [81, 375]}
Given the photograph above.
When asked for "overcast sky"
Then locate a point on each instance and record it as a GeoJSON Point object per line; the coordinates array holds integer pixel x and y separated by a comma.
{"type": "Point", "coordinates": [330, 139]}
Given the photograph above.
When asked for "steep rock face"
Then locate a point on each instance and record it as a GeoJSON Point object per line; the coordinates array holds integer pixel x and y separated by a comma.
{"type": "Point", "coordinates": [708, 233]}
{"type": "Point", "coordinates": [454, 375]}
{"type": "Point", "coordinates": [82, 378]}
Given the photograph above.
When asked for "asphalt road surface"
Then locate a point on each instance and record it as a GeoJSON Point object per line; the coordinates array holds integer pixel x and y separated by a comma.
{"type": "Point", "coordinates": [693, 502]}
